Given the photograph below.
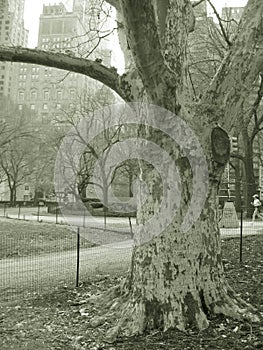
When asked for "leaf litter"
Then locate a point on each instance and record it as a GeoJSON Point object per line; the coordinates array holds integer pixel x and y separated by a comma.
{"type": "Point", "coordinates": [66, 319]}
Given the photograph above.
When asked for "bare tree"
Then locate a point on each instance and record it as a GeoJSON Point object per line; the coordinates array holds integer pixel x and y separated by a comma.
{"type": "Point", "coordinates": [16, 163]}
{"type": "Point", "coordinates": [96, 151]}
{"type": "Point", "coordinates": [16, 140]}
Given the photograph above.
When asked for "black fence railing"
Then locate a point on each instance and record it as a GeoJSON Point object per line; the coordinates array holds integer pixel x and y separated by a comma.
{"type": "Point", "coordinates": [37, 255]}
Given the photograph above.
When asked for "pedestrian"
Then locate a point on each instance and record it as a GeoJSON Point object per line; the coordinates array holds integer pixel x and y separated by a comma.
{"type": "Point", "coordinates": [256, 204]}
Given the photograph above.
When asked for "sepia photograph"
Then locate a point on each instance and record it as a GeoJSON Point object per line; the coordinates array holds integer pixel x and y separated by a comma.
{"type": "Point", "coordinates": [131, 174]}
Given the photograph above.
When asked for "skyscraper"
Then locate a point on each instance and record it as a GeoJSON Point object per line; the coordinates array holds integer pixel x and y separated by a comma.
{"type": "Point", "coordinates": [12, 32]}
{"type": "Point", "coordinates": [48, 90]}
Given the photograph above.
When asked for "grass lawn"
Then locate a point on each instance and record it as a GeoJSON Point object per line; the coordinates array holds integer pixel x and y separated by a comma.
{"type": "Point", "coordinates": [20, 238]}
{"type": "Point", "coordinates": [60, 319]}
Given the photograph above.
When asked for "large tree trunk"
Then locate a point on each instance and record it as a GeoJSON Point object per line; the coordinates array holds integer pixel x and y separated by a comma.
{"type": "Point", "coordinates": [176, 279]}
{"type": "Point", "coordinates": [12, 195]}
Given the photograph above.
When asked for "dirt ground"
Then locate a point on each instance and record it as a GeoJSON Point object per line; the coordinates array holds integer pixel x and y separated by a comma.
{"type": "Point", "coordinates": [63, 319]}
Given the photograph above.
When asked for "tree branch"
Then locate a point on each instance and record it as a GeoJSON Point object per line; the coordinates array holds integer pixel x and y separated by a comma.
{"type": "Point", "coordinates": [232, 84]}
{"type": "Point", "coordinates": [92, 69]}
{"type": "Point", "coordinates": [139, 17]}
{"type": "Point", "coordinates": [220, 24]}
{"type": "Point", "coordinates": [196, 3]}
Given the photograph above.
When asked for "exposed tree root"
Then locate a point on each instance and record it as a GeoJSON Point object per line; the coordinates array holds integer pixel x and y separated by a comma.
{"type": "Point", "coordinates": [131, 316]}
{"type": "Point", "coordinates": [235, 307]}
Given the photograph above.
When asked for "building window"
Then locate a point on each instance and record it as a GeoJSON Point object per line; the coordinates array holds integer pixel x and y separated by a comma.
{"type": "Point", "coordinates": [72, 94]}
{"type": "Point", "coordinates": [32, 106]}
{"type": "Point", "coordinates": [45, 106]}
{"type": "Point", "coordinates": [47, 72]}
{"type": "Point", "coordinates": [33, 95]}
{"type": "Point", "coordinates": [20, 107]}
{"type": "Point", "coordinates": [21, 95]}
{"type": "Point", "coordinates": [46, 95]}
{"type": "Point", "coordinates": [58, 106]}
{"type": "Point", "coordinates": [59, 95]}
{"type": "Point", "coordinates": [26, 188]}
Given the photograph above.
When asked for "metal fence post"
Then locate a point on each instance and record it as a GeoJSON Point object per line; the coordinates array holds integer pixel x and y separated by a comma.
{"type": "Point", "coordinates": [38, 212]}
{"type": "Point", "coordinates": [84, 217]}
{"type": "Point", "coordinates": [19, 209]}
{"type": "Point", "coordinates": [241, 236]}
{"type": "Point", "coordinates": [56, 210]}
{"type": "Point", "coordinates": [78, 248]}
{"type": "Point", "coordinates": [130, 224]}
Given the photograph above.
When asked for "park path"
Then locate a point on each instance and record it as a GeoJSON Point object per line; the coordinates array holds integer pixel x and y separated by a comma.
{"type": "Point", "coordinates": [31, 214]}
{"type": "Point", "coordinates": [40, 273]}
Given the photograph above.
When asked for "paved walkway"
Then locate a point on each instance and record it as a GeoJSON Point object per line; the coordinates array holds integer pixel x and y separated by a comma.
{"type": "Point", "coordinates": [115, 223]}
{"type": "Point", "coordinates": [31, 214]}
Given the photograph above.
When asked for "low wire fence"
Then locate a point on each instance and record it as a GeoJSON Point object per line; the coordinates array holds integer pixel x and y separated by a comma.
{"type": "Point", "coordinates": [40, 252]}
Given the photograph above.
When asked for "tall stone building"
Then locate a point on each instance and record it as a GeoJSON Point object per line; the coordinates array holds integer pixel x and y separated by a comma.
{"type": "Point", "coordinates": [48, 90]}
{"type": "Point", "coordinates": [12, 32]}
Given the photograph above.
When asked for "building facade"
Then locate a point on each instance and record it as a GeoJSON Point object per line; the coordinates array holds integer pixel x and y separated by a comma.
{"type": "Point", "coordinates": [12, 32]}
{"type": "Point", "coordinates": [49, 90]}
